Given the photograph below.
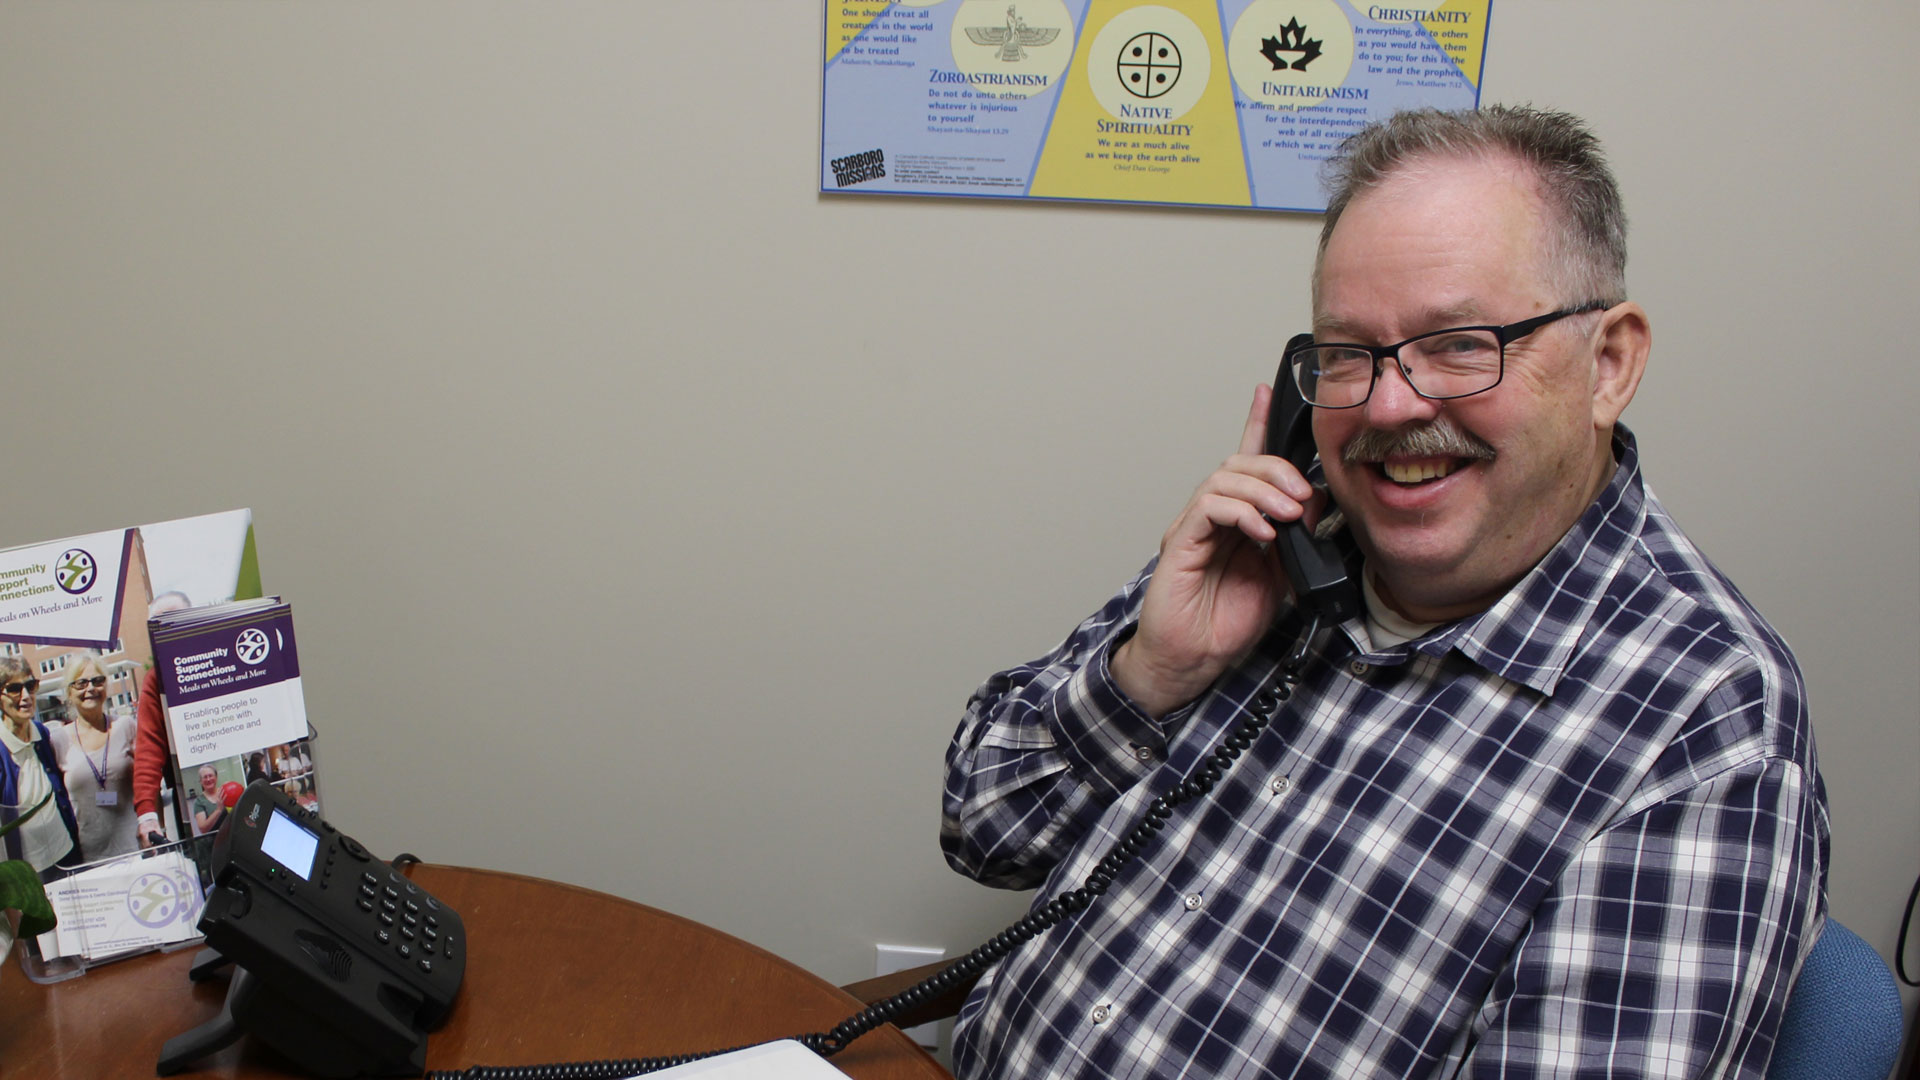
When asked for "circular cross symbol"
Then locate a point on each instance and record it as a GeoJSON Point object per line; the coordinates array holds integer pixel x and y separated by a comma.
{"type": "Point", "coordinates": [251, 646]}
{"type": "Point", "coordinates": [1149, 65]}
{"type": "Point", "coordinates": [75, 571]}
{"type": "Point", "coordinates": [155, 900]}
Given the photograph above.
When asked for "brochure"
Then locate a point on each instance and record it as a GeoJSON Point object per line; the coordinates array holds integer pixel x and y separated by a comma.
{"type": "Point", "coordinates": [75, 651]}
{"type": "Point", "coordinates": [73, 633]}
{"type": "Point", "coordinates": [230, 676]}
{"type": "Point", "coordinates": [124, 905]}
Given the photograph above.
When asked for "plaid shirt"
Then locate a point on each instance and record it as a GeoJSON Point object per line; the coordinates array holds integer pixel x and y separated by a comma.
{"type": "Point", "coordinates": [1580, 834]}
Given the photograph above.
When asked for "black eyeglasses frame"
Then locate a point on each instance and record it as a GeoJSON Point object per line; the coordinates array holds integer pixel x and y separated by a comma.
{"type": "Point", "coordinates": [1505, 335]}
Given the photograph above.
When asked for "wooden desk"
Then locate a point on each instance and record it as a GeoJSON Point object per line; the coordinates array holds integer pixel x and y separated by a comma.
{"type": "Point", "coordinates": [554, 973]}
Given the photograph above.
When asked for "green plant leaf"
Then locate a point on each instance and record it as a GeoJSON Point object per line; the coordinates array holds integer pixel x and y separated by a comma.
{"type": "Point", "coordinates": [22, 819]}
{"type": "Point", "coordinates": [20, 888]}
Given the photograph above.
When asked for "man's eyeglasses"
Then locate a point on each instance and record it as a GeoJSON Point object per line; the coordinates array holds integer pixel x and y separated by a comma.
{"type": "Point", "coordinates": [1442, 364]}
{"type": "Point", "coordinates": [15, 689]}
{"type": "Point", "coordinates": [96, 682]}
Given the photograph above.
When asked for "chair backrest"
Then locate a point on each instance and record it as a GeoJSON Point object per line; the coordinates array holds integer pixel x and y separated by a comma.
{"type": "Point", "coordinates": [1843, 1017]}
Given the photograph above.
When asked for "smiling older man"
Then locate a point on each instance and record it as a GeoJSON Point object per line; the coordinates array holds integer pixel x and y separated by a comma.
{"type": "Point", "coordinates": [1547, 808]}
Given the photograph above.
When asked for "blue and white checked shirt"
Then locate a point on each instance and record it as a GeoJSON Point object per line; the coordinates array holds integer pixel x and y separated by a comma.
{"type": "Point", "coordinates": [1580, 834]}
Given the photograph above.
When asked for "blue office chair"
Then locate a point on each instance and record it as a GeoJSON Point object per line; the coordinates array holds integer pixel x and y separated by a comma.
{"type": "Point", "coordinates": [1843, 1017]}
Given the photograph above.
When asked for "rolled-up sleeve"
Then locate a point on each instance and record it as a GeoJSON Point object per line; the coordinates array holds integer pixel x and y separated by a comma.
{"type": "Point", "coordinates": [1043, 750]}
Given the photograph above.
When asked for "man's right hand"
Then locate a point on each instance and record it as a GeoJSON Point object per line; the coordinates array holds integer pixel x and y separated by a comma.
{"type": "Point", "coordinates": [1218, 583]}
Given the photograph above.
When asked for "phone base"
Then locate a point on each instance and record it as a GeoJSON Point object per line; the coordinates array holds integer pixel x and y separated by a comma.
{"type": "Point", "coordinates": [211, 1037]}
{"type": "Point", "coordinates": [254, 1008]}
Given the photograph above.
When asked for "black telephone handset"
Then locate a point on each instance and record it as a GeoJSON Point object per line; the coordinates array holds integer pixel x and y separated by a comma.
{"type": "Point", "coordinates": [343, 964]}
{"type": "Point", "coordinates": [1318, 573]}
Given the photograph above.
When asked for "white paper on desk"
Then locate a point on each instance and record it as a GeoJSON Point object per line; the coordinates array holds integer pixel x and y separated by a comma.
{"type": "Point", "coordinates": [782, 1060]}
{"type": "Point", "coordinates": [123, 905]}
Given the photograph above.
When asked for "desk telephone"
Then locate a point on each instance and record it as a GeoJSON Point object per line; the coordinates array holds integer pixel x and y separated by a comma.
{"type": "Point", "coordinates": [1323, 591]}
{"type": "Point", "coordinates": [342, 964]}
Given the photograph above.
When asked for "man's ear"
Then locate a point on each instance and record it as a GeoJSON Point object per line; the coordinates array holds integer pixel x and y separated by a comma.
{"type": "Point", "coordinates": [1620, 347]}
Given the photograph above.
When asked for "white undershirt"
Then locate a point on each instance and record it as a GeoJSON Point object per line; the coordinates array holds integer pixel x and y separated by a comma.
{"type": "Point", "coordinates": [1386, 626]}
{"type": "Point", "coordinates": [44, 839]}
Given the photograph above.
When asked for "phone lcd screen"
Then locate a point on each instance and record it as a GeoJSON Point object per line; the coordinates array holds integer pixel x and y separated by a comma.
{"type": "Point", "coordinates": [290, 844]}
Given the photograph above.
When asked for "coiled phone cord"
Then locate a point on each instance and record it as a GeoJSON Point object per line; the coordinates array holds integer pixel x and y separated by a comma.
{"type": "Point", "coordinates": [1197, 785]}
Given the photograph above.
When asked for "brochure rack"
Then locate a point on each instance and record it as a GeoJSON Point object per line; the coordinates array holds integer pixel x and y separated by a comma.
{"type": "Point", "coordinates": [121, 907]}
{"type": "Point", "coordinates": [130, 905]}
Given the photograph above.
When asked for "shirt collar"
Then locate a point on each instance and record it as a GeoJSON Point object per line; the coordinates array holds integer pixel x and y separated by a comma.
{"type": "Point", "coordinates": [15, 746]}
{"type": "Point", "coordinates": [1528, 636]}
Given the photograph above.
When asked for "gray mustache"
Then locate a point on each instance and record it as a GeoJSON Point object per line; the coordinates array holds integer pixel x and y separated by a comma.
{"type": "Point", "coordinates": [1438, 438]}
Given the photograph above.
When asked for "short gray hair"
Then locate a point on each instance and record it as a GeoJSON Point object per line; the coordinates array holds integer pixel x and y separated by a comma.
{"type": "Point", "coordinates": [1587, 246]}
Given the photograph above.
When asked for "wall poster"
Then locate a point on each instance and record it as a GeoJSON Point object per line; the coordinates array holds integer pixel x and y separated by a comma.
{"type": "Point", "coordinates": [1188, 102]}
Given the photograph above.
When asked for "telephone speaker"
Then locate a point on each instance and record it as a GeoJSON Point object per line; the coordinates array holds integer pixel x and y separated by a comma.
{"type": "Point", "coordinates": [327, 953]}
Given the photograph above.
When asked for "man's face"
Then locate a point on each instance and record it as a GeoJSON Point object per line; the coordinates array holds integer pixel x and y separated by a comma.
{"type": "Point", "coordinates": [166, 602]}
{"type": "Point", "coordinates": [1448, 243]}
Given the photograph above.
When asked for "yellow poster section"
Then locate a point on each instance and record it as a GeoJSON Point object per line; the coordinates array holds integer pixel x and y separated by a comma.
{"type": "Point", "coordinates": [1203, 163]}
{"type": "Point", "coordinates": [1460, 28]}
{"type": "Point", "coordinates": [847, 18]}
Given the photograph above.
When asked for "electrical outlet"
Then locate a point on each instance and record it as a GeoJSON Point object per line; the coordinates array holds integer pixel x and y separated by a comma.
{"type": "Point", "coordinates": [891, 958]}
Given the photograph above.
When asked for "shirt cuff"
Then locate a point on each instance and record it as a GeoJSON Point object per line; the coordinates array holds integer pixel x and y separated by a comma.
{"type": "Point", "coordinates": [1107, 740]}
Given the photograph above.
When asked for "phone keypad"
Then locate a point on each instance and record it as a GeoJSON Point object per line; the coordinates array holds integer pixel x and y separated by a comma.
{"type": "Point", "coordinates": [403, 918]}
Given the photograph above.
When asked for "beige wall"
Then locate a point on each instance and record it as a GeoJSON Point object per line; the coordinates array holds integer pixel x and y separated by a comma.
{"type": "Point", "coordinates": [549, 375]}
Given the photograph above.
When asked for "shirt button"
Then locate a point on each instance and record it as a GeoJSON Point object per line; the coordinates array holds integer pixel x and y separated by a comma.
{"type": "Point", "coordinates": [1192, 901]}
{"type": "Point", "coordinates": [1144, 753]}
{"type": "Point", "coordinates": [1100, 1013]}
{"type": "Point", "coordinates": [1280, 785]}
{"type": "Point", "coordinates": [1357, 667]}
